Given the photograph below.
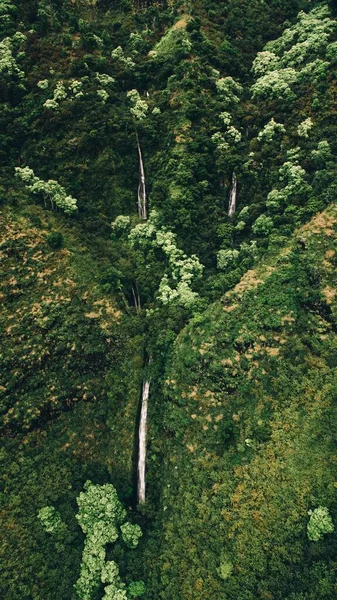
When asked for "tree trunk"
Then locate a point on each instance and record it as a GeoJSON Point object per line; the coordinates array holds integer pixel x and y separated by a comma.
{"type": "Point", "coordinates": [142, 442]}
{"type": "Point", "coordinates": [142, 208]}
{"type": "Point", "coordinates": [233, 196]}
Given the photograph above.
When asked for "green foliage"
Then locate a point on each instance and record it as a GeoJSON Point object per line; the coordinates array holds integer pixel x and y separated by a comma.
{"type": "Point", "coordinates": [323, 153]}
{"type": "Point", "coordinates": [319, 524]}
{"type": "Point", "coordinates": [263, 225]}
{"type": "Point", "coordinates": [103, 95]}
{"type": "Point", "coordinates": [51, 520]}
{"type": "Point", "coordinates": [270, 129]}
{"type": "Point", "coordinates": [8, 11]}
{"type": "Point", "coordinates": [276, 85]}
{"type": "Point", "coordinates": [104, 79]}
{"type": "Point", "coordinates": [131, 534]}
{"type": "Point", "coordinates": [176, 284]}
{"type": "Point", "coordinates": [229, 90]}
{"type": "Point", "coordinates": [50, 190]}
{"type": "Point", "coordinates": [110, 572]}
{"type": "Point", "coordinates": [111, 593]}
{"type": "Point", "coordinates": [175, 41]}
{"type": "Point", "coordinates": [120, 224]}
{"type": "Point", "coordinates": [139, 107]}
{"type": "Point", "coordinates": [136, 589]}
{"type": "Point", "coordinates": [59, 95]}
{"type": "Point", "coordinates": [304, 128]}
{"type": "Point", "coordinates": [9, 67]}
{"type": "Point", "coordinates": [294, 177]}
{"type": "Point", "coordinates": [100, 513]}
{"type": "Point", "coordinates": [43, 84]}
{"type": "Point", "coordinates": [227, 258]}
{"type": "Point", "coordinates": [226, 567]}
{"type": "Point", "coordinates": [244, 391]}
{"type": "Point", "coordinates": [294, 57]}
{"type": "Point", "coordinates": [99, 505]}
{"type": "Point", "coordinates": [118, 55]}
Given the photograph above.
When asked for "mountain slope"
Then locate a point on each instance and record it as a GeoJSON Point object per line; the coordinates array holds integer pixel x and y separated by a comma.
{"type": "Point", "coordinates": [251, 401]}
{"type": "Point", "coordinates": [230, 317]}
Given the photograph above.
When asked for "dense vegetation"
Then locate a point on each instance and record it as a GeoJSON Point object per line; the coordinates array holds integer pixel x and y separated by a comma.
{"type": "Point", "coordinates": [168, 187]}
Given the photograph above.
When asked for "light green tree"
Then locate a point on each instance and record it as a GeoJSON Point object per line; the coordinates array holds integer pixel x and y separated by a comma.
{"type": "Point", "coordinates": [263, 225]}
{"type": "Point", "coordinates": [8, 65]}
{"type": "Point", "coordinates": [51, 190]}
{"type": "Point", "coordinates": [276, 84]}
{"type": "Point", "coordinates": [270, 130]}
{"type": "Point", "coordinates": [8, 10]}
{"type": "Point", "coordinates": [139, 107]}
{"type": "Point", "coordinates": [131, 534]}
{"type": "Point", "coordinates": [323, 153]}
{"type": "Point", "coordinates": [182, 270]}
{"type": "Point", "coordinates": [226, 567]}
{"type": "Point", "coordinates": [227, 258]}
{"type": "Point", "coordinates": [319, 524]}
{"type": "Point", "coordinates": [51, 520]}
{"type": "Point", "coordinates": [304, 128]}
{"type": "Point", "coordinates": [100, 516]}
{"type": "Point", "coordinates": [292, 178]}
{"type": "Point", "coordinates": [118, 55]}
{"type": "Point", "coordinates": [295, 56]}
{"type": "Point", "coordinates": [229, 90]}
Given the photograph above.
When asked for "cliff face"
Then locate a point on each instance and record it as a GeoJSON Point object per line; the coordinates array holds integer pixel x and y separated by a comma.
{"type": "Point", "coordinates": [237, 311]}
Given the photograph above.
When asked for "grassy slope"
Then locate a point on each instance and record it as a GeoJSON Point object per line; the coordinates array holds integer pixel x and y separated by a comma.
{"type": "Point", "coordinates": [251, 399]}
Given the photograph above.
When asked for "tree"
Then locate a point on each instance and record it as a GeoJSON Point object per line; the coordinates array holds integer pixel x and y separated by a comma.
{"type": "Point", "coordinates": [51, 520]}
{"type": "Point", "coordinates": [270, 130]}
{"type": "Point", "coordinates": [263, 225]}
{"type": "Point", "coordinates": [131, 534]}
{"type": "Point", "coordinates": [182, 270]}
{"type": "Point", "coordinates": [9, 68]}
{"type": "Point", "coordinates": [319, 523]}
{"type": "Point", "coordinates": [100, 515]}
{"type": "Point", "coordinates": [294, 56]}
{"type": "Point", "coordinates": [51, 190]}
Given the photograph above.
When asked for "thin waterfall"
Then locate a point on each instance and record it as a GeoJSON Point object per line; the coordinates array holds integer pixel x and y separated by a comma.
{"type": "Point", "coordinates": [142, 208]}
{"type": "Point", "coordinates": [233, 196]}
{"type": "Point", "coordinates": [142, 442]}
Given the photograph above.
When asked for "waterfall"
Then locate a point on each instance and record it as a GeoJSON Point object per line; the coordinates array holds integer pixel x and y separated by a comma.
{"type": "Point", "coordinates": [142, 208]}
{"type": "Point", "coordinates": [136, 297]}
{"type": "Point", "coordinates": [232, 196]}
{"type": "Point", "coordinates": [142, 442]}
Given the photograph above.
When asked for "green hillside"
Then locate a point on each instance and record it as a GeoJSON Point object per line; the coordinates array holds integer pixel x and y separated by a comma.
{"type": "Point", "coordinates": [251, 401]}
{"type": "Point", "coordinates": [168, 222]}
